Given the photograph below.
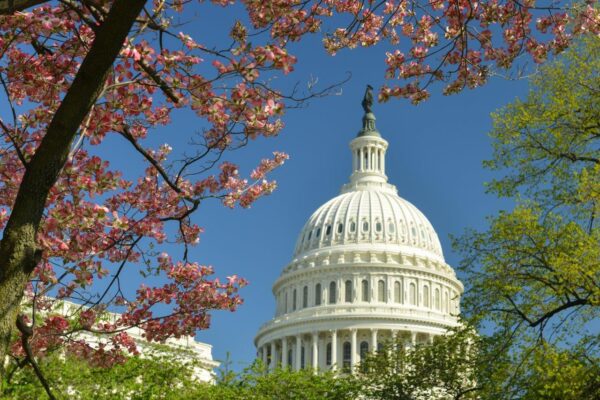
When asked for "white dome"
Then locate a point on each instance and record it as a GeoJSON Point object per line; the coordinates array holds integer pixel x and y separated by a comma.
{"type": "Point", "coordinates": [368, 267]}
{"type": "Point", "coordinates": [371, 217]}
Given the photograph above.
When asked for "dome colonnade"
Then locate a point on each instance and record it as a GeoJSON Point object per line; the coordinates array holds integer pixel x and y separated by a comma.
{"type": "Point", "coordinates": [368, 267]}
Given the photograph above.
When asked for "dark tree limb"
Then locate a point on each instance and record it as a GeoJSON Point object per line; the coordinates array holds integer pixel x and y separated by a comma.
{"type": "Point", "coordinates": [8, 7]}
{"type": "Point", "coordinates": [26, 333]}
{"type": "Point", "coordinates": [18, 252]}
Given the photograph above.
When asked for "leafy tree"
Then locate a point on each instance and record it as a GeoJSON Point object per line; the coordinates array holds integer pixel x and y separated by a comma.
{"type": "Point", "coordinates": [163, 377]}
{"type": "Point", "coordinates": [73, 72]}
{"type": "Point", "coordinates": [154, 377]}
{"type": "Point", "coordinates": [444, 369]}
{"type": "Point", "coordinates": [533, 278]}
{"type": "Point", "coordinates": [256, 384]}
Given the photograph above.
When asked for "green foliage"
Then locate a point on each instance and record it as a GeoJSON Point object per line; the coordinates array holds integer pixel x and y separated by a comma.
{"type": "Point", "coordinates": [533, 277]}
{"type": "Point", "coordinates": [156, 377]}
{"type": "Point", "coordinates": [443, 369]}
{"type": "Point", "coordinates": [254, 383]}
{"type": "Point", "coordinates": [162, 376]}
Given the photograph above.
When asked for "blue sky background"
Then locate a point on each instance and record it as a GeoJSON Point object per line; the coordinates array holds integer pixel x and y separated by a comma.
{"type": "Point", "coordinates": [434, 157]}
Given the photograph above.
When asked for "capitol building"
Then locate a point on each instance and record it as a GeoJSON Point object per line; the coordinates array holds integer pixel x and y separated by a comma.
{"type": "Point", "coordinates": [367, 268]}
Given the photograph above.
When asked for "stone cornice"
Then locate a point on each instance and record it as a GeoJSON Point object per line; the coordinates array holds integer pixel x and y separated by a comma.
{"type": "Point", "coordinates": [309, 323]}
{"type": "Point", "coordinates": [411, 266]}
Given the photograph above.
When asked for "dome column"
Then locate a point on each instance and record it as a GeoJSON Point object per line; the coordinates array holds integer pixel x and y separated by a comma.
{"type": "Point", "coordinates": [284, 353]}
{"type": "Point", "coordinates": [298, 352]}
{"type": "Point", "coordinates": [353, 348]}
{"type": "Point", "coordinates": [264, 355]}
{"type": "Point", "coordinates": [373, 340]}
{"type": "Point", "coordinates": [315, 350]}
{"type": "Point", "coordinates": [274, 356]}
{"type": "Point", "coordinates": [334, 358]}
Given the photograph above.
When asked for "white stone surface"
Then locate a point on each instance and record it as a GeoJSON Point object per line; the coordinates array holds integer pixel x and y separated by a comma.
{"type": "Point", "coordinates": [368, 266]}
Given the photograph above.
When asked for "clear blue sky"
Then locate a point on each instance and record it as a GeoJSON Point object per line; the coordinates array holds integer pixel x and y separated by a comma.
{"type": "Point", "coordinates": [434, 158]}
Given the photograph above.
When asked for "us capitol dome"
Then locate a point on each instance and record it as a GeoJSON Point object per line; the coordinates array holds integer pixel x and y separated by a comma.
{"type": "Point", "coordinates": [368, 267]}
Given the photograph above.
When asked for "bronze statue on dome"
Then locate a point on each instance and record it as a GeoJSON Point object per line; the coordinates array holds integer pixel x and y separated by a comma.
{"type": "Point", "coordinates": [367, 102]}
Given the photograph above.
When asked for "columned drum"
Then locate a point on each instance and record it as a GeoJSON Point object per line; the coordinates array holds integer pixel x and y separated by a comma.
{"type": "Point", "coordinates": [368, 267]}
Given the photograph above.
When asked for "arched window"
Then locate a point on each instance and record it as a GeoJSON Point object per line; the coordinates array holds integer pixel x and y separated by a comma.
{"type": "Point", "coordinates": [366, 160]}
{"type": "Point", "coordinates": [352, 226]}
{"type": "Point", "coordinates": [309, 235]}
{"type": "Point", "coordinates": [436, 298]}
{"type": "Point", "coordinates": [347, 353]}
{"type": "Point", "coordinates": [318, 294]}
{"type": "Point", "coordinates": [318, 232]}
{"type": "Point", "coordinates": [340, 228]}
{"type": "Point", "coordinates": [328, 354]}
{"type": "Point", "coordinates": [294, 301]}
{"type": "Point", "coordinates": [378, 227]}
{"type": "Point", "coordinates": [328, 230]}
{"type": "Point", "coordinates": [348, 292]}
{"type": "Point", "coordinates": [305, 297]}
{"type": "Point", "coordinates": [381, 291]}
{"type": "Point", "coordinates": [412, 294]}
{"type": "Point", "coordinates": [365, 290]}
{"type": "Point", "coordinates": [286, 303]}
{"type": "Point", "coordinates": [397, 292]}
{"type": "Point", "coordinates": [332, 293]}
{"type": "Point", "coordinates": [426, 296]}
{"type": "Point", "coordinates": [364, 349]}
{"type": "Point", "coordinates": [289, 357]}
{"type": "Point", "coordinates": [365, 226]}
{"type": "Point", "coordinates": [391, 227]}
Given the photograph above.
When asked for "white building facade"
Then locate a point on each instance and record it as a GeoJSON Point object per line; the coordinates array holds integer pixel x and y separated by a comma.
{"type": "Point", "coordinates": [368, 267]}
{"type": "Point", "coordinates": [185, 349]}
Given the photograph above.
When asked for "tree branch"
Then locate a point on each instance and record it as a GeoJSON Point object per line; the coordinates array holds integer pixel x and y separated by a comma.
{"type": "Point", "coordinates": [26, 333]}
{"type": "Point", "coordinates": [8, 7]}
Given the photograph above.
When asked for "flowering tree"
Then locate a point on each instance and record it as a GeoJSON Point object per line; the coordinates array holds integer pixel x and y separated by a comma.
{"type": "Point", "coordinates": [74, 71]}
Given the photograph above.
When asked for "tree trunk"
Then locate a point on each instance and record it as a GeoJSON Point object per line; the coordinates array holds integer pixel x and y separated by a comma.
{"type": "Point", "coordinates": [18, 250]}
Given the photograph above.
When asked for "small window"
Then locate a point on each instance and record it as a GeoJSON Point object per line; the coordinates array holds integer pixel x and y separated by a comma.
{"type": "Point", "coordinates": [347, 356]}
{"type": "Point", "coordinates": [365, 290]}
{"type": "Point", "coordinates": [305, 297]}
{"type": "Point", "coordinates": [348, 292]}
{"type": "Point", "coordinates": [309, 235]}
{"type": "Point", "coordinates": [378, 226]}
{"type": "Point", "coordinates": [318, 294]}
{"type": "Point", "coordinates": [436, 299]}
{"type": "Point", "coordinates": [364, 349]}
{"type": "Point", "coordinates": [365, 226]}
{"type": "Point", "coordinates": [412, 294]}
{"type": "Point", "coordinates": [352, 226]}
{"type": "Point", "coordinates": [426, 296]}
{"type": "Point", "coordinates": [318, 232]}
{"type": "Point", "coordinates": [412, 229]}
{"type": "Point", "coordinates": [328, 354]}
{"type": "Point", "coordinates": [332, 293]}
{"type": "Point", "coordinates": [391, 227]}
{"type": "Point", "coordinates": [340, 228]}
{"type": "Point", "coordinates": [328, 230]}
